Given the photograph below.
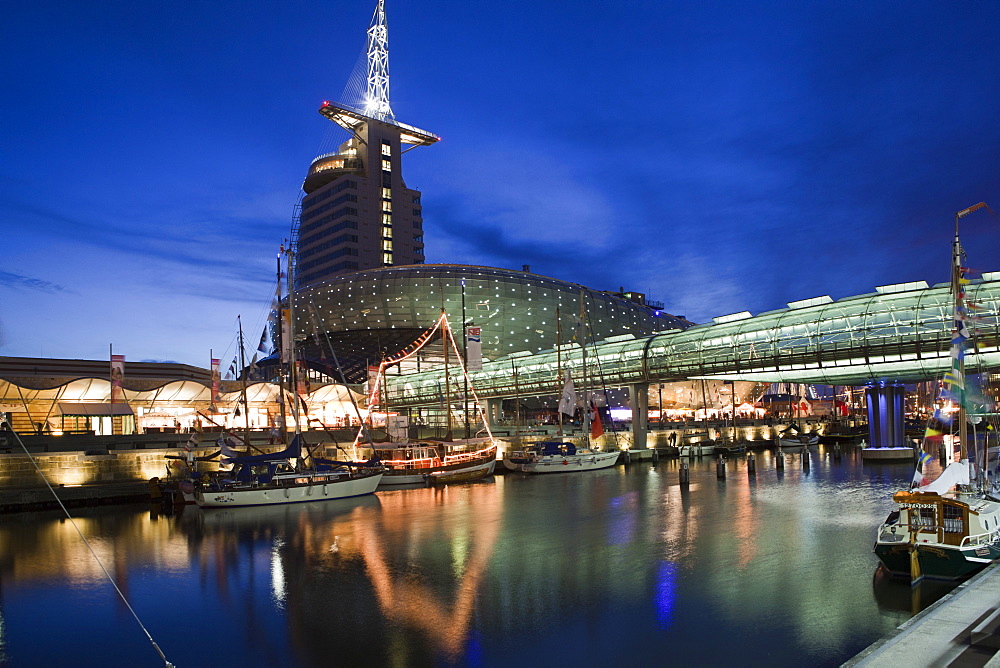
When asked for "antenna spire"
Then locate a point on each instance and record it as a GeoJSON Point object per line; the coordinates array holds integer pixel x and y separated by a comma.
{"type": "Point", "coordinates": [377, 94]}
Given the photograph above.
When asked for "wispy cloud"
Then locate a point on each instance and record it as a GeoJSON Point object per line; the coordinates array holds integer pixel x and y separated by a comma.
{"type": "Point", "coordinates": [28, 283]}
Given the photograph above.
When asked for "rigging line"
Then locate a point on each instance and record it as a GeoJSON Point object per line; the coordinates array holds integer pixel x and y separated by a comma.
{"type": "Point", "coordinates": [472, 388]}
{"type": "Point", "coordinates": [89, 547]}
{"type": "Point", "coordinates": [343, 378]}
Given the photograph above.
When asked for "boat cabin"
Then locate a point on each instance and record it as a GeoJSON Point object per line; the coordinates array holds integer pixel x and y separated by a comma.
{"type": "Point", "coordinates": [933, 518]}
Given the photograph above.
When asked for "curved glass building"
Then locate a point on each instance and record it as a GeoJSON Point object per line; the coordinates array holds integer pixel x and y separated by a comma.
{"type": "Point", "coordinates": [366, 315]}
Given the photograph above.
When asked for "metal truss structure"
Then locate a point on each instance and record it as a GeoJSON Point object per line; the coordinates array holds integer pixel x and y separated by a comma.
{"type": "Point", "coordinates": [377, 93]}
{"type": "Point", "coordinates": [900, 333]}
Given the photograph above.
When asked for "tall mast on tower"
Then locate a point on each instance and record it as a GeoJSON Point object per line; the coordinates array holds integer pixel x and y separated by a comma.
{"type": "Point", "coordinates": [377, 93]}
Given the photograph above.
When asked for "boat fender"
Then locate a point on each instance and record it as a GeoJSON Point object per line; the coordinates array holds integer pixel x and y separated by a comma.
{"type": "Point", "coordinates": [565, 462]}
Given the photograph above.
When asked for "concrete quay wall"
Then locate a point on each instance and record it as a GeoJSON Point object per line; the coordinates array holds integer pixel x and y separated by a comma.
{"type": "Point", "coordinates": [79, 468]}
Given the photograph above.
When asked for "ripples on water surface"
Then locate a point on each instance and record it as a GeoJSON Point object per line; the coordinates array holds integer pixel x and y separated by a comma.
{"type": "Point", "coordinates": [614, 567]}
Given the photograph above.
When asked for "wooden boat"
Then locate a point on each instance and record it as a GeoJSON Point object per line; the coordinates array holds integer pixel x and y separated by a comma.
{"type": "Point", "coordinates": [949, 537]}
{"type": "Point", "coordinates": [559, 457]}
{"type": "Point", "coordinates": [409, 462]}
{"type": "Point", "coordinates": [449, 478]}
{"type": "Point", "coordinates": [423, 461]}
{"type": "Point", "coordinates": [949, 528]}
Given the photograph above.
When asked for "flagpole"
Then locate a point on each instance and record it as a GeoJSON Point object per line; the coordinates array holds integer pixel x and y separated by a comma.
{"type": "Point", "coordinates": [465, 356]}
{"type": "Point", "coordinates": [582, 333]}
{"type": "Point", "coordinates": [559, 378]}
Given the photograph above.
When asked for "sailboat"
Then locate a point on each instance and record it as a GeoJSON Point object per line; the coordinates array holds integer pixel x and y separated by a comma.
{"type": "Point", "coordinates": [434, 461]}
{"type": "Point", "coordinates": [563, 456]}
{"type": "Point", "coordinates": [948, 528]}
{"type": "Point", "coordinates": [283, 477]}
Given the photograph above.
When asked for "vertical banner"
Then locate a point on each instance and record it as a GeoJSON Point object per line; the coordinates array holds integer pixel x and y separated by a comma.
{"type": "Point", "coordinates": [117, 376]}
{"type": "Point", "coordinates": [373, 388]}
{"type": "Point", "coordinates": [286, 336]}
{"type": "Point", "coordinates": [304, 385]}
{"type": "Point", "coordinates": [568, 400]}
{"type": "Point", "coordinates": [474, 349]}
{"type": "Point", "coordinates": [215, 380]}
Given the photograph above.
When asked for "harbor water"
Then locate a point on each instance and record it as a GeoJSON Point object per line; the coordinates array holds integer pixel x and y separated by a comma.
{"type": "Point", "coordinates": [623, 566]}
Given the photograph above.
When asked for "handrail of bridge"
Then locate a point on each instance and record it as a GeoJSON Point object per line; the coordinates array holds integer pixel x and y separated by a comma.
{"type": "Point", "coordinates": [890, 337]}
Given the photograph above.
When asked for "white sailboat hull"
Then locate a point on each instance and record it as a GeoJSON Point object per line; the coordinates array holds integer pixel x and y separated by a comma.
{"type": "Point", "coordinates": [696, 450]}
{"type": "Point", "coordinates": [586, 461]}
{"type": "Point", "coordinates": [275, 495]}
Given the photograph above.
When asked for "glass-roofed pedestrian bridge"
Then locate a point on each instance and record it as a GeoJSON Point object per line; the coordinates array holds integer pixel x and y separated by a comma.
{"type": "Point", "coordinates": [899, 333]}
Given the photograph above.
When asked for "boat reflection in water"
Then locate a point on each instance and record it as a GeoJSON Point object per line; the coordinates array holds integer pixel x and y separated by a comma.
{"type": "Point", "coordinates": [622, 566]}
{"type": "Point", "coordinates": [413, 555]}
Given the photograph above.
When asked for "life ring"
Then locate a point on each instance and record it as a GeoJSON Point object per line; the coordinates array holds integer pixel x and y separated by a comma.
{"type": "Point", "coordinates": [436, 462]}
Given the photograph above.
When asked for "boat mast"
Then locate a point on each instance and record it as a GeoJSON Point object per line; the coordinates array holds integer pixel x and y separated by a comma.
{"type": "Point", "coordinates": [958, 294]}
{"type": "Point", "coordinates": [448, 435]}
{"type": "Point", "coordinates": [243, 386]}
{"type": "Point", "coordinates": [281, 354]}
{"type": "Point", "coordinates": [465, 361]}
{"type": "Point", "coordinates": [293, 367]}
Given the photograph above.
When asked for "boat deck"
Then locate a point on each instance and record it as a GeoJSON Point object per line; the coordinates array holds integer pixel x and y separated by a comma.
{"type": "Point", "coordinates": [962, 629]}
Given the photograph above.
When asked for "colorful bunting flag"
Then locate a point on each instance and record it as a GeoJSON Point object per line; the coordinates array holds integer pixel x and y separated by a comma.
{"type": "Point", "coordinates": [943, 417]}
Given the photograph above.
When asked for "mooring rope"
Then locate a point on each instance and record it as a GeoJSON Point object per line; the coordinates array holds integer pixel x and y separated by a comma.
{"type": "Point", "coordinates": [114, 584]}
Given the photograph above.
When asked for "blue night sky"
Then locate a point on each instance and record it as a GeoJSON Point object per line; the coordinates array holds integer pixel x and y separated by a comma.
{"type": "Point", "coordinates": [719, 156]}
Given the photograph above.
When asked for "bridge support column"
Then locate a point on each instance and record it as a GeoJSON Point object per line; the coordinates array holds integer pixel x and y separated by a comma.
{"type": "Point", "coordinates": [494, 409]}
{"type": "Point", "coordinates": [639, 399]}
{"type": "Point", "coordinates": [886, 411]}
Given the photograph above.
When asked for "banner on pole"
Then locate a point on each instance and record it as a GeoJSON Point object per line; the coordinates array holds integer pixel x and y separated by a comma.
{"type": "Point", "coordinates": [117, 376]}
{"type": "Point", "coordinates": [373, 387]}
{"type": "Point", "coordinates": [474, 349]}
{"type": "Point", "coordinates": [216, 380]}
{"type": "Point", "coordinates": [286, 336]}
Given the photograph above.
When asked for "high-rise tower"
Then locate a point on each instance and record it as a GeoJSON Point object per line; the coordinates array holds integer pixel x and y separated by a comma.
{"type": "Point", "coordinates": [357, 212]}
